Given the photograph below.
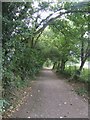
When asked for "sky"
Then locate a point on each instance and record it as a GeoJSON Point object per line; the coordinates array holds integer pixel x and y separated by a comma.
{"type": "Point", "coordinates": [44, 14]}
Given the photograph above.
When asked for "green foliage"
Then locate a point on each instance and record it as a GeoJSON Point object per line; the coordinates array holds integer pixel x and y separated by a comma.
{"type": "Point", "coordinates": [48, 63]}
{"type": "Point", "coordinates": [84, 77]}
{"type": "Point", "coordinates": [3, 103]}
{"type": "Point", "coordinates": [81, 91]}
{"type": "Point", "coordinates": [25, 62]}
{"type": "Point", "coordinates": [24, 51]}
{"type": "Point", "coordinates": [21, 62]}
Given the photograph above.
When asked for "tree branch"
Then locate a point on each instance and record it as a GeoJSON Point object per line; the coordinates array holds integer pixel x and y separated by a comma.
{"type": "Point", "coordinates": [37, 38]}
{"type": "Point", "coordinates": [44, 20]}
{"type": "Point", "coordinates": [52, 19]}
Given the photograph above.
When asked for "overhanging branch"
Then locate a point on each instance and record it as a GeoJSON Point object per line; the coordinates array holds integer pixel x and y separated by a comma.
{"type": "Point", "coordinates": [61, 13]}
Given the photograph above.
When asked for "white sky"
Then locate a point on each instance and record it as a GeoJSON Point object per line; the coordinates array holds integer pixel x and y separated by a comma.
{"type": "Point", "coordinates": [45, 14]}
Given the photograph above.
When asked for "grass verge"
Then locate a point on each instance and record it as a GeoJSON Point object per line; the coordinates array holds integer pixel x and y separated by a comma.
{"type": "Point", "coordinates": [80, 85]}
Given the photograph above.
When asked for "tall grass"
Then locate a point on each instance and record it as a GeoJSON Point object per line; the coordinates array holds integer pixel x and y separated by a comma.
{"type": "Point", "coordinates": [85, 73]}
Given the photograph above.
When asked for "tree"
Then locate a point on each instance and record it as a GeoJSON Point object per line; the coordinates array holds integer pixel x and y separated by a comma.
{"type": "Point", "coordinates": [23, 24]}
{"type": "Point", "coordinates": [80, 20]}
{"type": "Point", "coordinates": [65, 42]}
{"type": "Point", "coordinates": [20, 61]}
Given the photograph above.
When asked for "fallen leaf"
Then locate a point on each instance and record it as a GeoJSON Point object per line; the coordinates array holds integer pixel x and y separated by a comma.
{"type": "Point", "coordinates": [29, 117]}
{"type": "Point", "coordinates": [38, 90]}
{"type": "Point", "coordinates": [61, 117]}
{"type": "Point", "coordinates": [65, 103]}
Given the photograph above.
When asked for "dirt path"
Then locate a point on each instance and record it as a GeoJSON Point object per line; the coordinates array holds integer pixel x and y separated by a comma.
{"type": "Point", "coordinates": [52, 98]}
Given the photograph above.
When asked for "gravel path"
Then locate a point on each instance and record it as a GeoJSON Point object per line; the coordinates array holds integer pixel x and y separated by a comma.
{"type": "Point", "coordinates": [52, 98]}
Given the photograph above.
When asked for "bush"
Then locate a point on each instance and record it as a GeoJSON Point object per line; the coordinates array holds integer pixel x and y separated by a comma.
{"type": "Point", "coordinates": [19, 66]}
{"type": "Point", "coordinates": [84, 76]}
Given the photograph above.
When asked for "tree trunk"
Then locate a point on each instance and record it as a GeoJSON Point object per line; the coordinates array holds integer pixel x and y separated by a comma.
{"type": "Point", "coordinates": [78, 72]}
{"type": "Point", "coordinates": [57, 66]}
{"type": "Point", "coordinates": [82, 63]}
{"type": "Point", "coordinates": [32, 41]}
{"type": "Point", "coordinates": [54, 65]}
{"type": "Point", "coordinates": [81, 66]}
{"type": "Point", "coordinates": [62, 67]}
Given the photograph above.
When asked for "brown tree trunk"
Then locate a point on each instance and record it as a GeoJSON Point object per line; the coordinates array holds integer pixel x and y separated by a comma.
{"type": "Point", "coordinates": [78, 72]}
{"type": "Point", "coordinates": [54, 65]}
{"type": "Point", "coordinates": [62, 67]}
{"type": "Point", "coordinates": [81, 66]}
